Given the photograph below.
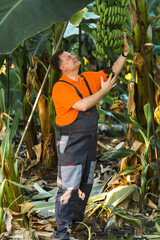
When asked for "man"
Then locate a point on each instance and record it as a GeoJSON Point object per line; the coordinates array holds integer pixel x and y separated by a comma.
{"type": "Point", "coordinates": [75, 98]}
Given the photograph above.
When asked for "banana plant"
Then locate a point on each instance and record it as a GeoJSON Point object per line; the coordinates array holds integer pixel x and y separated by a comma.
{"type": "Point", "coordinates": [10, 192]}
{"type": "Point", "coordinates": [123, 152]}
{"type": "Point", "coordinates": [4, 184]}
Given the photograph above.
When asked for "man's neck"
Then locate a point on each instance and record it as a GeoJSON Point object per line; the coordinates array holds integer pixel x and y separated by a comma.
{"type": "Point", "coordinates": [73, 76]}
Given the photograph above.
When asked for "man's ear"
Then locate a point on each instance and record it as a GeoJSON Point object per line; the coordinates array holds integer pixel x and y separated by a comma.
{"type": "Point", "coordinates": [62, 68]}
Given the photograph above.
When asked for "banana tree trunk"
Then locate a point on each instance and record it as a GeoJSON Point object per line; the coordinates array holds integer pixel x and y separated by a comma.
{"type": "Point", "coordinates": [31, 137]}
{"type": "Point", "coordinates": [141, 87]}
{"type": "Point", "coordinates": [46, 112]}
{"type": "Point", "coordinates": [45, 104]}
{"type": "Point", "coordinates": [49, 157]}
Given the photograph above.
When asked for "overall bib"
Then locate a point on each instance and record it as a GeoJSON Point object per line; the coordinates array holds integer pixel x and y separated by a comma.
{"type": "Point", "coordinates": [76, 149]}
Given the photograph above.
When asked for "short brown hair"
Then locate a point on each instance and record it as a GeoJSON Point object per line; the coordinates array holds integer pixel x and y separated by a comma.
{"type": "Point", "coordinates": [55, 61]}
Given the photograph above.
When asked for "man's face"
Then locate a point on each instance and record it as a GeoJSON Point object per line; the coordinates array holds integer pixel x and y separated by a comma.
{"type": "Point", "coordinates": [68, 62]}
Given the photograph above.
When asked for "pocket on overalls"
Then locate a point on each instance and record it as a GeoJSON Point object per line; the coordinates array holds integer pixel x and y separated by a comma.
{"type": "Point", "coordinates": [62, 143]}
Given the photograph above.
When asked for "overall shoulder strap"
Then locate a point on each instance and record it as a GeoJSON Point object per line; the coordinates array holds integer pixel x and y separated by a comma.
{"type": "Point", "coordinates": [78, 92]}
{"type": "Point", "coordinates": [87, 84]}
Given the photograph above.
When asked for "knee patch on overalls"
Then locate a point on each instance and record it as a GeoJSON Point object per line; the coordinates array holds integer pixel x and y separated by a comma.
{"type": "Point", "coordinates": [71, 176]}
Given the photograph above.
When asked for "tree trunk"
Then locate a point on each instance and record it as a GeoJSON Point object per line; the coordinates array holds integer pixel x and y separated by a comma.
{"type": "Point", "coordinates": [141, 87]}
{"type": "Point", "coordinates": [46, 112]}
{"type": "Point", "coordinates": [45, 104]}
{"type": "Point", "coordinates": [50, 157]}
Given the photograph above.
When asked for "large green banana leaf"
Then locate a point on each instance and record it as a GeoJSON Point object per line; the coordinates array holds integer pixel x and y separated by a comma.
{"type": "Point", "coordinates": [21, 19]}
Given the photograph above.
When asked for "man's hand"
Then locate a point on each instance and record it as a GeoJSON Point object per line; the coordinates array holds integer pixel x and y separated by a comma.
{"type": "Point", "coordinates": [90, 101]}
{"type": "Point", "coordinates": [109, 84]}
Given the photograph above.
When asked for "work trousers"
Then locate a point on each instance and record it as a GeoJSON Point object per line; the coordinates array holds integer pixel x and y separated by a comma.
{"type": "Point", "coordinates": [76, 148]}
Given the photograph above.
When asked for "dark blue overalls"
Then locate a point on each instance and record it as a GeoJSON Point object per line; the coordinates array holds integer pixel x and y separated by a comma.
{"type": "Point", "coordinates": [76, 148]}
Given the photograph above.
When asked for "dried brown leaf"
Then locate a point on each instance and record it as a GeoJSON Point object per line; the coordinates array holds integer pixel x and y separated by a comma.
{"type": "Point", "coordinates": [115, 180]}
{"type": "Point", "coordinates": [138, 231]}
{"type": "Point", "coordinates": [124, 163]}
{"type": "Point", "coordinates": [136, 145]}
{"type": "Point", "coordinates": [26, 206]}
{"type": "Point", "coordinates": [151, 204]}
{"type": "Point", "coordinates": [38, 150]}
{"type": "Point", "coordinates": [8, 220]}
{"type": "Point", "coordinates": [49, 227]}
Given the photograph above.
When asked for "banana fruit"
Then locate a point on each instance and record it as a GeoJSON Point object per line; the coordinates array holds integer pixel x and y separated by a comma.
{"type": "Point", "coordinates": [110, 26]}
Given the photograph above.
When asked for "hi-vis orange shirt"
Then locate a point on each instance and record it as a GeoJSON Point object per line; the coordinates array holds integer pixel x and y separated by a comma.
{"type": "Point", "coordinates": [65, 96]}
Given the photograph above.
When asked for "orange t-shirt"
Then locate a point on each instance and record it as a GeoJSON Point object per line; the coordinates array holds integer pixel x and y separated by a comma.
{"type": "Point", "coordinates": [65, 96]}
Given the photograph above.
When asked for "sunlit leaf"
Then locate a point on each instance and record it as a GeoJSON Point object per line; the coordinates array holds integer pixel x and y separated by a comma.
{"type": "Point", "coordinates": [117, 195]}
{"type": "Point", "coordinates": [97, 197]}
{"type": "Point", "coordinates": [77, 17]}
{"type": "Point", "coordinates": [92, 206]}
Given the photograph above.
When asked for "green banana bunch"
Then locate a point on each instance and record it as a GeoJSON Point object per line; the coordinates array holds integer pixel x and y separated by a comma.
{"type": "Point", "coordinates": [110, 26]}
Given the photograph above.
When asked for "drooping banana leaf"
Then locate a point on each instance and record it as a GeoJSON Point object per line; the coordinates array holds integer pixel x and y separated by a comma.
{"type": "Point", "coordinates": [38, 44]}
{"type": "Point", "coordinates": [118, 153]}
{"type": "Point", "coordinates": [21, 19]}
{"type": "Point", "coordinates": [117, 195]}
